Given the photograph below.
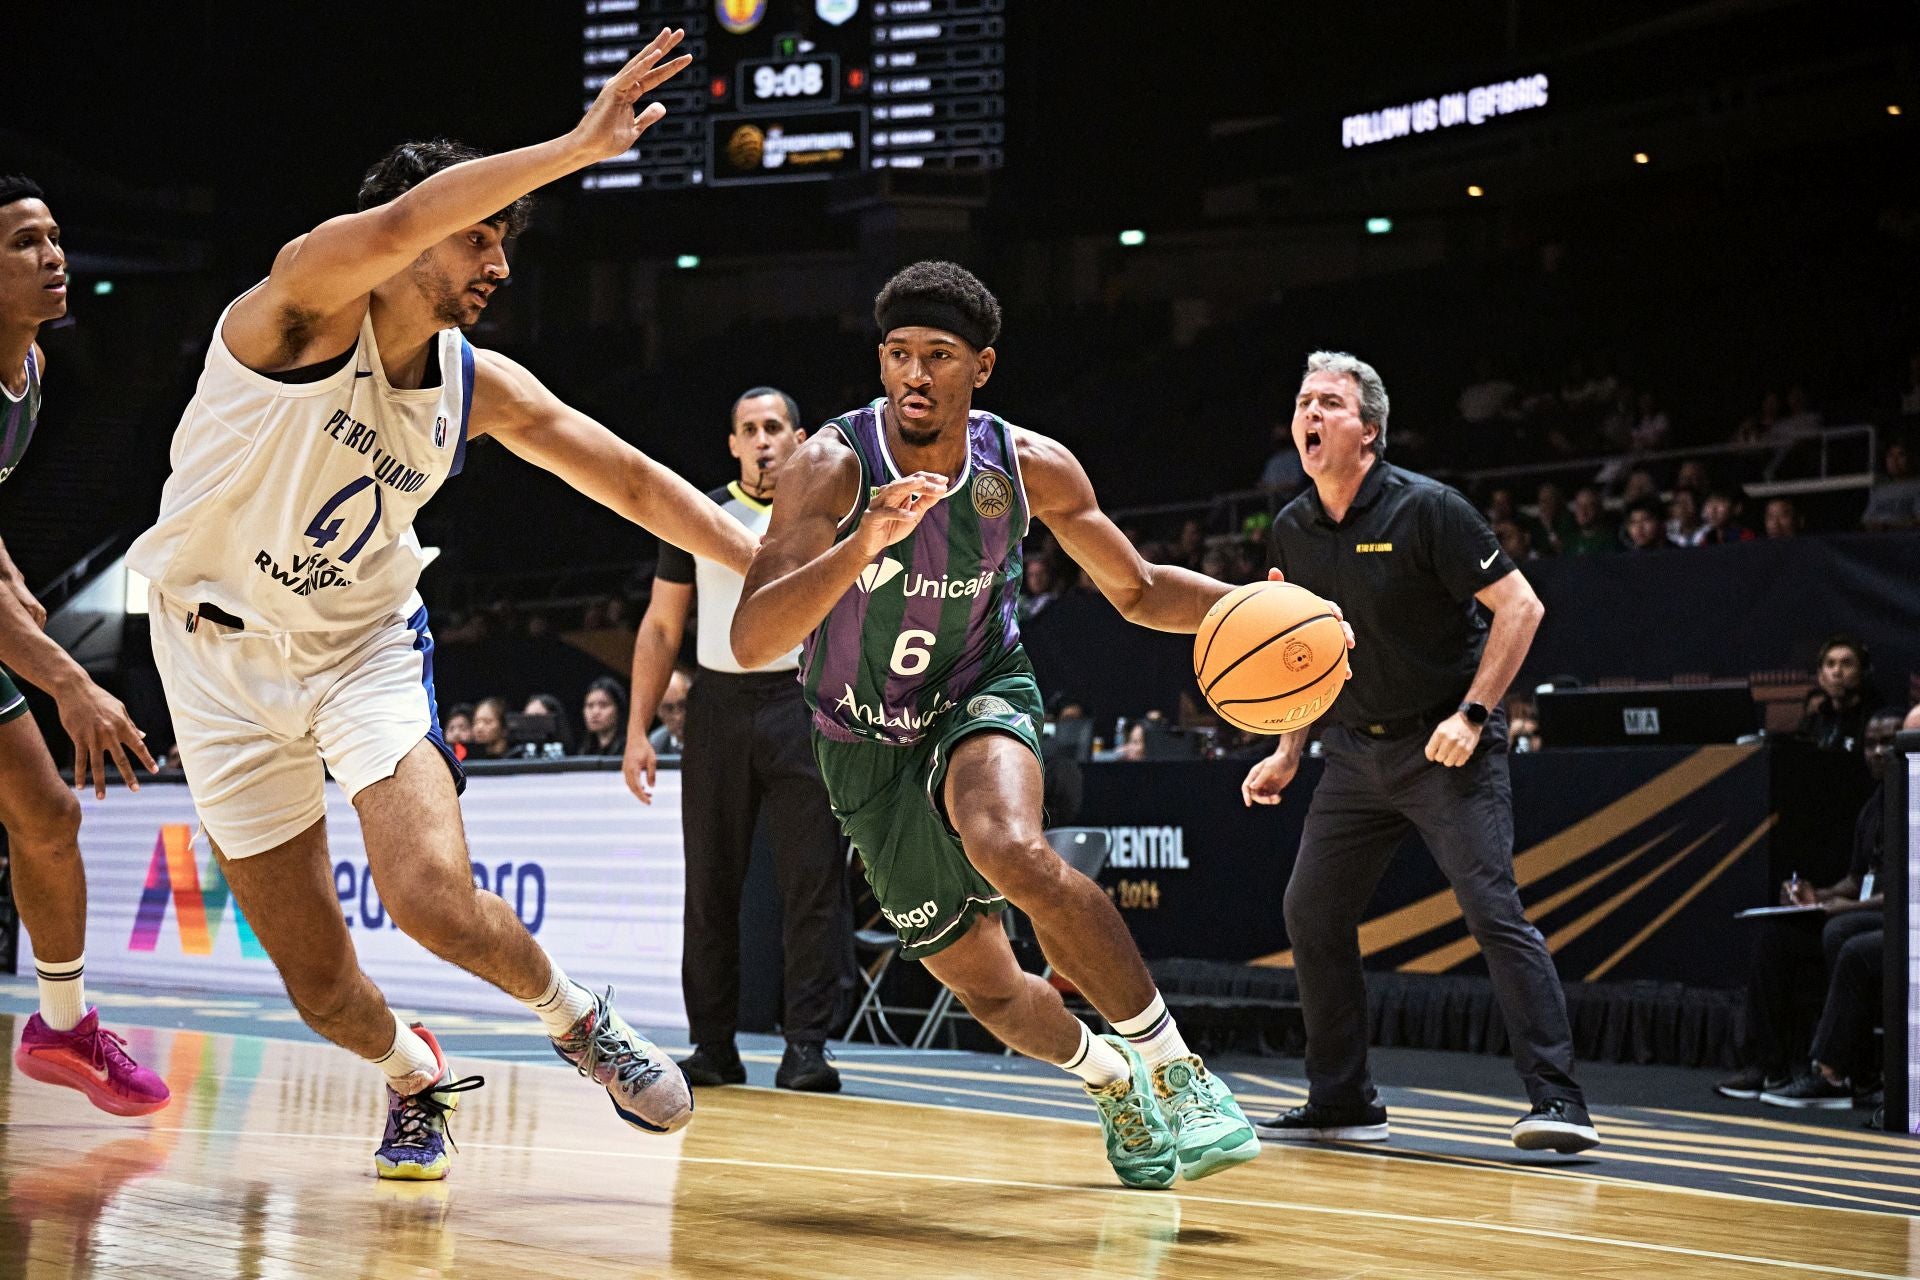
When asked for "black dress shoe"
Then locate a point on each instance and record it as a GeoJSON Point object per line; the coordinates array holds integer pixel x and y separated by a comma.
{"type": "Point", "coordinates": [1319, 1122]}
{"type": "Point", "coordinates": [805, 1067]}
{"type": "Point", "coordinates": [1559, 1124]}
{"type": "Point", "coordinates": [714, 1064]}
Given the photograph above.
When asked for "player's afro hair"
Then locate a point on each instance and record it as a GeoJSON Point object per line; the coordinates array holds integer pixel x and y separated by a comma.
{"type": "Point", "coordinates": [939, 288]}
{"type": "Point", "coordinates": [411, 163]}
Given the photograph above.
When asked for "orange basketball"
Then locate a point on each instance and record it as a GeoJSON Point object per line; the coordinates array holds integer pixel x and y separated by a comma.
{"type": "Point", "coordinates": [1270, 657]}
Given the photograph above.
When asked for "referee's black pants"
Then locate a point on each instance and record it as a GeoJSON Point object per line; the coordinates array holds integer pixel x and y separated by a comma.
{"type": "Point", "coordinates": [1373, 792]}
{"type": "Point", "coordinates": [749, 747]}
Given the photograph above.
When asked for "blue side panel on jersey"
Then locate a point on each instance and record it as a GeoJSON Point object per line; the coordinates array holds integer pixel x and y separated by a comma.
{"type": "Point", "coordinates": [466, 405]}
{"type": "Point", "coordinates": [423, 645]}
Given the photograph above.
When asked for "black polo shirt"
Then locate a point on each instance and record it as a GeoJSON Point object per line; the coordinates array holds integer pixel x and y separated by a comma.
{"type": "Point", "coordinates": [1403, 566]}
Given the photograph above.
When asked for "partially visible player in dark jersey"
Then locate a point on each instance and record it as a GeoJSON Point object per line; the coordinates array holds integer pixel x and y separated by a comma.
{"type": "Point", "coordinates": [894, 553]}
{"type": "Point", "coordinates": [64, 1042]}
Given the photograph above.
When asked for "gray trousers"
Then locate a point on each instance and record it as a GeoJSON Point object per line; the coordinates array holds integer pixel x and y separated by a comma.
{"type": "Point", "coordinates": [1373, 792]}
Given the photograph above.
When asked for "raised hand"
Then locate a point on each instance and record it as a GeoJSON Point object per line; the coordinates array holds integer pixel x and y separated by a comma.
{"type": "Point", "coordinates": [896, 509]}
{"type": "Point", "coordinates": [610, 125]}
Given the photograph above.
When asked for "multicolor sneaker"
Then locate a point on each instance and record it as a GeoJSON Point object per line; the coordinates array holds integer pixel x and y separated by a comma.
{"type": "Point", "coordinates": [1139, 1139]}
{"type": "Point", "coordinates": [416, 1144]}
{"type": "Point", "coordinates": [1211, 1133]}
{"type": "Point", "coordinates": [93, 1060]}
{"type": "Point", "coordinates": [649, 1092]}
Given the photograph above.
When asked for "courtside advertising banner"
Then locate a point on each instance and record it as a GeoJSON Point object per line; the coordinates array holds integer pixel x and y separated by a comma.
{"type": "Point", "coordinates": [597, 877]}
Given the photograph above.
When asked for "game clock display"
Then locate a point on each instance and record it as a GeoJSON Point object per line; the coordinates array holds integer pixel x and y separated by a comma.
{"type": "Point", "coordinates": [799, 90]}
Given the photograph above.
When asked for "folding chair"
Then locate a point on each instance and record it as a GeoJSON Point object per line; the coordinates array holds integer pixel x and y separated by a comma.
{"type": "Point", "coordinates": [1085, 849]}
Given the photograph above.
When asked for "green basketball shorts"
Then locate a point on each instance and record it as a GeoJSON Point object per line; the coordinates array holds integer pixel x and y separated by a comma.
{"type": "Point", "coordinates": [887, 799]}
{"type": "Point", "coordinates": [13, 703]}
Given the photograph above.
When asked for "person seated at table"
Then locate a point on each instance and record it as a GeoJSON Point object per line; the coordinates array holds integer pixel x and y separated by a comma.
{"type": "Point", "coordinates": [1795, 954]}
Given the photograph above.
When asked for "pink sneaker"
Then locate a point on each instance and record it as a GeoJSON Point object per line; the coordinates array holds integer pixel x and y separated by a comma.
{"type": "Point", "coordinates": [93, 1060]}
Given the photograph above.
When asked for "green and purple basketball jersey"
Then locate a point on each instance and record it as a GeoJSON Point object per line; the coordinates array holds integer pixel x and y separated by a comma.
{"type": "Point", "coordinates": [933, 614]}
{"type": "Point", "coordinates": [17, 419]}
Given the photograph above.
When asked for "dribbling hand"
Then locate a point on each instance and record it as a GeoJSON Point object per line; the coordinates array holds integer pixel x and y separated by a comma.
{"type": "Point", "coordinates": [610, 125]}
{"type": "Point", "coordinates": [896, 509]}
{"type": "Point", "coordinates": [1267, 779]}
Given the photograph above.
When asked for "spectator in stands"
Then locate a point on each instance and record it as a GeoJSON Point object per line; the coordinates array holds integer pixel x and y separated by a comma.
{"type": "Point", "coordinates": [490, 729]}
{"type": "Point", "coordinates": [1760, 426]}
{"type": "Point", "coordinates": [1523, 725]}
{"type": "Point", "coordinates": [1792, 952]}
{"type": "Point", "coordinates": [1554, 521]}
{"type": "Point", "coordinates": [457, 727]}
{"type": "Point", "coordinates": [1190, 546]}
{"type": "Point", "coordinates": [1592, 532]}
{"type": "Point", "coordinates": [669, 737]}
{"type": "Point", "coordinates": [1640, 486]}
{"type": "Point", "coordinates": [1513, 539]}
{"type": "Point", "coordinates": [1783, 519]}
{"type": "Point", "coordinates": [1651, 427]}
{"type": "Point", "coordinates": [1038, 587]}
{"type": "Point", "coordinates": [1836, 718]}
{"type": "Point", "coordinates": [1894, 502]}
{"type": "Point", "coordinates": [1801, 418]}
{"type": "Point", "coordinates": [1722, 515]}
{"type": "Point", "coordinates": [1283, 476]}
{"type": "Point", "coordinates": [1487, 397]}
{"type": "Point", "coordinates": [559, 732]}
{"type": "Point", "coordinates": [604, 713]}
{"type": "Point", "coordinates": [1501, 506]}
{"type": "Point", "coordinates": [1646, 526]}
{"type": "Point", "coordinates": [1684, 524]}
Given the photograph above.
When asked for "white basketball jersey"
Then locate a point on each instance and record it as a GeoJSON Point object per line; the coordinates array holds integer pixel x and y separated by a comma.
{"type": "Point", "coordinates": [291, 505]}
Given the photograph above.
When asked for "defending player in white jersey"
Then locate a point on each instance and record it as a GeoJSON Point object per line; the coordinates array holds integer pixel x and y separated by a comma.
{"type": "Point", "coordinates": [337, 396]}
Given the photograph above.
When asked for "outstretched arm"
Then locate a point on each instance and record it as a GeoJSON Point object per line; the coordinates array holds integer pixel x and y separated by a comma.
{"type": "Point", "coordinates": [318, 277]}
{"type": "Point", "coordinates": [1161, 596]}
{"type": "Point", "coordinates": [799, 573]}
{"type": "Point", "coordinates": [513, 406]}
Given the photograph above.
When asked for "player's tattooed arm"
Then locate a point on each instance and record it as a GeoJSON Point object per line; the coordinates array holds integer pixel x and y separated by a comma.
{"type": "Point", "coordinates": [1163, 597]}
{"type": "Point", "coordinates": [800, 572]}
{"type": "Point", "coordinates": [513, 407]}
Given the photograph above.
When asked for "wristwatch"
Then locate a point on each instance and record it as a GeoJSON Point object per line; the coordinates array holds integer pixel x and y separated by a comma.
{"type": "Point", "coordinates": [1475, 712]}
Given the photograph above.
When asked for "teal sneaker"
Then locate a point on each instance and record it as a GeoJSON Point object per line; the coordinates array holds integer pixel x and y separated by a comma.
{"type": "Point", "coordinates": [1211, 1133]}
{"type": "Point", "coordinates": [1139, 1140]}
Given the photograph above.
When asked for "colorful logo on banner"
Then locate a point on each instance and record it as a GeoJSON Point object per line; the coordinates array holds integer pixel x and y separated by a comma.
{"type": "Point", "coordinates": [198, 908]}
{"type": "Point", "coordinates": [740, 16]}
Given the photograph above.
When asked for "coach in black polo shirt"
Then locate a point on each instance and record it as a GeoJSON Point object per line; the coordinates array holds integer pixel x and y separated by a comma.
{"type": "Point", "coordinates": [1414, 742]}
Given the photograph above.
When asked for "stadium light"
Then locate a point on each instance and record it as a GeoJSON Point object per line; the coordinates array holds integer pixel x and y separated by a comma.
{"type": "Point", "coordinates": [1133, 238]}
{"type": "Point", "coordinates": [1893, 109]}
{"type": "Point", "coordinates": [1379, 226]}
{"type": "Point", "coordinates": [1641, 157]}
{"type": "Point", "coordinates": [101, 288]}
{"type": "Point", "coordinates": [1476, 190]}
{"type": "Point", "coordinates": [687, 261]}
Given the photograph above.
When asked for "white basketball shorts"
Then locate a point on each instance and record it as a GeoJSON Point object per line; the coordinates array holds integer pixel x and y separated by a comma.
{"type": "Point", "coordinates": [258, 716]}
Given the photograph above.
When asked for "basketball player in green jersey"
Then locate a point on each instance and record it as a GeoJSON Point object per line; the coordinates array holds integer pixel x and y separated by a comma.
{"type": "Point", "coordinates": [64, 1042]}
{"type": "Point", "coordinates": [894, 554]}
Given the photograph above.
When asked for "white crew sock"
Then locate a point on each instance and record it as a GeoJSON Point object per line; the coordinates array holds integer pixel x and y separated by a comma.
{"type": "Point", "coordinates": [410, 1057]}
{"type": "Point", "coordinates": [63, 991]}
{"type": "Point", "coordinates": [1096, 1061]}
{"type": "Point", "coordinates": [562, 1004]}
{"type": "Point", "coordinates": [1153, 1034]}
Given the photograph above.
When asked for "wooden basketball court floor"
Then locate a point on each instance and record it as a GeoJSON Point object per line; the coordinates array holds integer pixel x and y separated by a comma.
{"type": "Point", "coordinates": [930, 1165]}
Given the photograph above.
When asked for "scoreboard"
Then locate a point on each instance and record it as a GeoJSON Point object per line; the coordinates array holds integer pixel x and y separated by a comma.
{"type": "Point", "coordinates": [807, 90]}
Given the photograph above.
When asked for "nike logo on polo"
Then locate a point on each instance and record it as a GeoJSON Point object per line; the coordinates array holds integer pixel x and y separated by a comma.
{"type": "Point", "coordinates": [1488, 560]}
{"type": "Point", "coordinates": [880, 573]}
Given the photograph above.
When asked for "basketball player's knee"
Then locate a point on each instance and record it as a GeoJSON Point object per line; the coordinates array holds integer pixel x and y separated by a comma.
{"type": "Point", "coordinates": [323, 995]}
{"type": "Point", "coordinates": [1027, 870]}
{"type": "Point", "coordinates": [48, 823]}
{"type": "Point", "coordinates": [990, 1002]}
{"type": "Point", "coordinates": [444, 918]}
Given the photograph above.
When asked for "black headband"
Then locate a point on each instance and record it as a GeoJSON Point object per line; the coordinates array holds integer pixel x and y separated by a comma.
{"type": "Point", "coordinates": [930, 313]}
